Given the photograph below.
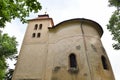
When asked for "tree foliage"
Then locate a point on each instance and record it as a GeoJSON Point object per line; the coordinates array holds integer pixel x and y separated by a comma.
{"type": "Point", "coordinates": [7, 50]}
{"type": "Point", "coordinates": [2, 68]}
{"type": "Point", "coordinates": [7, 46]}
{"type": "Point", "coordinates": [9, 74]}
{"type": "Point", "coordinates": [115, 3]}
{"type": "Point", "coordinates": [114, 23]}
{"type": "Point", "coordinates": [11, 9]}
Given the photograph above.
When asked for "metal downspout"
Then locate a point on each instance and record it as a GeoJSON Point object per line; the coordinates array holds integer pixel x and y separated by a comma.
{"type": "Point", "coordinates": [84, 41]}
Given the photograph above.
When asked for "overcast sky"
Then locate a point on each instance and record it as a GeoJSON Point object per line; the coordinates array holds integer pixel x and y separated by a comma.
{"type": "Point", "coordinates": [61, 10]}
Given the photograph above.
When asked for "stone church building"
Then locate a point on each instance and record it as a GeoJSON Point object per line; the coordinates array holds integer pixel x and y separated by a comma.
{"type": "Point", "coordinates": [70, 50]}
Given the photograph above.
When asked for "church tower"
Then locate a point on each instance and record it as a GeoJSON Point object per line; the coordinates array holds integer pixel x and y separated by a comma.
{"type": "Point", "coordinates": [31, 62]}
{"type": "Point", "coordinates": [70, 50]}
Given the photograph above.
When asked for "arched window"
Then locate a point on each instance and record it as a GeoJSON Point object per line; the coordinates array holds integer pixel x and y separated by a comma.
{"type": "Point", "coordinates": [38, 35]}
{"type": "Point", "coordinates": [73, 62]}
{"type": "Point", "coordinates": [40, 26]}
{"type": "Point", "coordinates": [36, 26]}
{"type": "Point", "coordinates": [33, 35]}
{"type": "Point", "coordinates": [104, 62]}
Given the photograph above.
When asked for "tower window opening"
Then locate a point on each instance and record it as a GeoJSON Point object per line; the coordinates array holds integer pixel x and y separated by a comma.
{"type": "Point", "coordinates": [36, 26]}
{"type": "Point", "coordinates": [33, 35]}
{"type": "Point", "coordinates": [40, 26]}
{"type": "Point", "coordinates": [38, 35]}
{"type": "Point", "coordinates": [73, 62]}
{"type": "Point", "coordinates": [104, 63]}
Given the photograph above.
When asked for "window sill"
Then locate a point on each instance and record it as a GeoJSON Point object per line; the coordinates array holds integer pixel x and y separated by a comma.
{"type": "Point", "coordinates": [73, 70]}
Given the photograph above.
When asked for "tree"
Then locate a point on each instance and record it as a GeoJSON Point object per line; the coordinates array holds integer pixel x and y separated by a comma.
{"type": "Point", "coordinates": [7, 50]}
{"type": "Point", "coordinates": [114, 23]}
{"type": "Point", "coordinates": [2, 68]}
{"type": "Point", "coordinates": [9, 74]}
{"type": "Point", "coordinates": [11, 9]}
{"type": "Point", "coordinates": [115, 3]}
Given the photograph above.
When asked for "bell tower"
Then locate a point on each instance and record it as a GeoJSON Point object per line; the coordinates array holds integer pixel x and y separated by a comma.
{"type": "Point", "coordinates": [32, 58]}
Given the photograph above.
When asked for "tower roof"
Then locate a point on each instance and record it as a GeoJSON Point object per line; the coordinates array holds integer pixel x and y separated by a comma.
{"type": "Point", "coordinates": [43, 17]}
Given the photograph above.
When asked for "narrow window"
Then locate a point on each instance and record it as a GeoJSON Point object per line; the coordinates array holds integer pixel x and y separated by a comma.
{"type": "Point", "coordinates": [36, 26]}
{"type": "Point", "coordinates": [33, 35]}
{"type": "Point", "coordinates": [73, 62]}
{"type": "Point", "coordinates": [40, 26]}
{"type": "Point", "coordinates": [38, 35]}
{"type": "Point", "coordinates": [104, 62]}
